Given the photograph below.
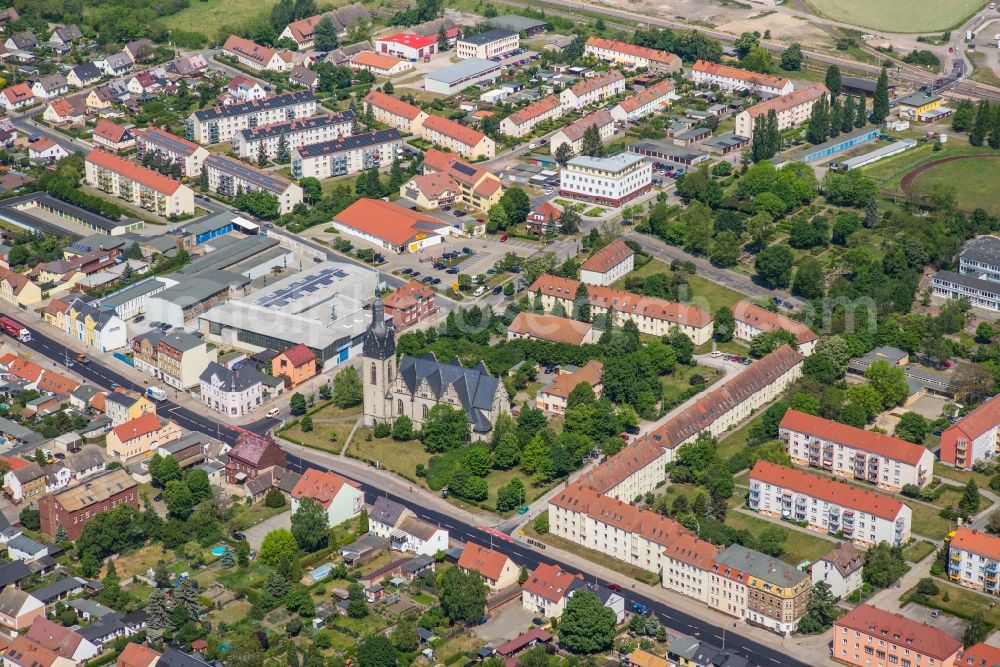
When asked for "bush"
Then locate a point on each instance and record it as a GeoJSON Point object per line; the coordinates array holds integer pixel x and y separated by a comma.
{"type": "Point", "coordinates": [926, 586]}
{"type": "Point", "coordinates": [274, 499]}
{"type": "Point", "coordinates": [541, 523]}
{"type": "Point", "coordinates": [911, 491]}
{"type": "Point", "coordinates": [382, 430]}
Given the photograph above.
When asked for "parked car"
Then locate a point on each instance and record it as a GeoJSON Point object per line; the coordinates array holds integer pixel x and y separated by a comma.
{"type": "Point", "coordinates": [615, 587]}
{"type": "Point", "coordinates": [468, 251]}
{"type": "Point", "coordinates": [436, 281]}
{"type": "Point", "coordinates": [458, 214]}
{"type": "Point", "coordinates": [497, 289]}
{"type": "Point", "coordinates": [453, 270]}
{"type": "Point", "coordinates": [407, 271]}
{"type": "Point", "coordinates": [138, 318]}
{"type": "Point", "coordinates": [640, 608]}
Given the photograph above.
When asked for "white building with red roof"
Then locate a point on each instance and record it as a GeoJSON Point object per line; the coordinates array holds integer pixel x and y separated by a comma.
{"type": "Point", "coordinates": [555, 329]}
{"type": "Point", "coordinates": [974, 560]}
{"type": "Point", "coordinates": [883, 460]}
{"type": "Point", "coordinates": [652, 99]}
{"type": "Point", "coordinates": [892, 635]}
{"type": "Point", "coordinates": [732, 79]}
{"type": "Point", "coordinates": [497, 569]}
{"type": "Point", "coordinates": [791, 110]}
{"type": "Point", "coordinates": [632, 56]}
{"type": "Point", "coordinates": [753, 320]}
{"type": "Point", "coordinates": [592, 90]}
{"type": "Point", "coordinates": [524, 120]}
{"type": "Point", "coordinates": [608, 265]}
{"type": "Point", "coordinates": [573, 133]}
{"type": "Point", "coordinates": [379, 64]}
{"type": "Point", "coordinates": [542, 217]}
{"type": "Point", "coordinates": [113, 136]}
{"type": "Point", "coordinates": [452, 135]}
{"type": "Point", "coordinates": [554, 396]}
{"type": "Point", "coordinates": [974, 437]}
{"type": "Point", "coordinates": [394, 112]}
{"type": "Point", "coordinates": [138, 185]}
{"type": "Point", "coordinates": [546, 590]}
{"type": "Point", "coordinates": [828, 506]}
{"type": "Point", "coordinates": [390, 226]}
{"type": "Point", "coordinates": [17, 96]}
{"type": "Point", "coordinates": [407, 46]}
{"type": "Point", "coordinates": [46, 150]}
{"type": "Point", "coordinates": [244, 89]}
{"type": "Point", "coordinates": [342, 498]}
{"type": "Point", "coordinates": [256, 56]}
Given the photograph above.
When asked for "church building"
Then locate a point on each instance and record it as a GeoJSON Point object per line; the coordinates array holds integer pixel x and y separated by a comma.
{"type": "Point", "coordinates": [420, 383]}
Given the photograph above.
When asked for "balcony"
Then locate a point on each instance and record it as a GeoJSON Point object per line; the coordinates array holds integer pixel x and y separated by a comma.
{"type": "Point", "coordinates": [956, 557]}
{"type": "Point", "coordinates": [991, 568]}
{"type": "Point", "coordinates": [961, 446]}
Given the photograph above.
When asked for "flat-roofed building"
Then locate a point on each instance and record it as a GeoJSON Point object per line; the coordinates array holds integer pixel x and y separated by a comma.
{"type": "Point", "coordinates": [228, 177]}
{"type": "Point", "coordinates": [753, 320]}
{"type": "Point", "coordinates": [138, 185]}
{"type": "Point", "coordinates": [612, 181]}
{"type": "Point", "coordinates": [828, 506]}
{"type": "Point", "coordinates": [792, 109]}
{"type": "Point", "coordinates": [453, 79]}
{"type": "Point", "coordinates": [494, 43]}
{"type": "Point", "coordinates": [189, 155]}
{"type": "Point", "coordinates": [347, 155]}
{"type": "Point", "coordinates": [76, 506]}
{"type": "Point", "coordinates": [883, 460]}
{"type": "Point", "coordinates": [299, 132]}
{"type": "Point", "coordinates": [732, 79]}
{"type": "Point", "coordinates": [632, 56]}
{"type": "Point", "coordinates": [219, 124]}
{"type": "Point", "coordinates": [868, 635]}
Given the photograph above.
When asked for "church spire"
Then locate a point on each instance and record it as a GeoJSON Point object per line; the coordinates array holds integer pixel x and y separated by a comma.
{"type": "Point", "coordinates": [380, 340]}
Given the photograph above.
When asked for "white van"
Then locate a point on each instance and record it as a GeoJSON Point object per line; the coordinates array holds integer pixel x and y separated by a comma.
{"type": "Point", "coordinates": [272, 413]}
{"type": "Point", "coordinates": [480, 291]}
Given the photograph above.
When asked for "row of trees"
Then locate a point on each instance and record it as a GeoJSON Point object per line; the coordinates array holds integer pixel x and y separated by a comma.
{"type": "Point", "coordinates": [981, 121]}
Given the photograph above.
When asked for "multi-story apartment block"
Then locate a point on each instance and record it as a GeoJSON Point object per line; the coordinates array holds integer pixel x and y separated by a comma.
{"type": "Point", "coordinates": [301, 132]}
{"type": "Point", "coordinates": [76, 506]}
{"type": "Point", "coordinates": [840, 569]}
{"type": "Point", "coordinates": [572, 134]}
{"type": "Point", "coordinates": [593, 90]}
{"type": "Point", "coordinates": [348, 155]}
{"type": "Point", "coordinates": [228, 176]}
{"type": "Point", "coordinates": [95, 327]}
{"type": "Point", "coordinates": [974, 560]}
{"type": "Point", "coordinates": [608, 265]}
{"type": "Point", "coordinates": [255, 56]}
{"type": "Point", "coordinates": [189, 155]}
{"type": "Point", "coordinates": [138, 185]}
{"type": "Point", "coordinates": [494, 43]}
{"type": "Point", "coordinates": [753, 320]}
{"type": "Point", "coordinates": [974, 437]}
{"type": "Point", "coordinates": [734, 79]}
{"type": "Point", "coordinates": [651, 315]}
{"type": "Point", "coordinates": [791, 110]}
{"type": "Point", "coordinates": [828, 506]}
{"type": "Point", "coordinates": [219, 124]}
{"type": "Point", "coordinates": [868, 636]}
{"type": "Point", "coordinates": [775, 593]}
{"type": "Point", "coordinates": [632, 56]}
{"type": "Point", "coordinates": [141, 436]}
{"type": "Point", "coordinates": [232, 392]}
{"type": "Point", "coordinates": [458, 138]}
{"type": "Point", "coordinates": [883, 460]}
{"type": "Point", "coordinates": [395, 112]}
{"type": "Point", "coordinates": [523, 121]}
{"type": "Point", "coordinates": [177, 358]}
{"type": "Point", "coordinates": [653, 99]}
{"type": "Point", "coordinates": [606, 181]}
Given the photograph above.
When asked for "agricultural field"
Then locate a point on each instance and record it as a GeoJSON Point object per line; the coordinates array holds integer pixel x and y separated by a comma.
{"type": "Point", "coordinates": [922, 16]}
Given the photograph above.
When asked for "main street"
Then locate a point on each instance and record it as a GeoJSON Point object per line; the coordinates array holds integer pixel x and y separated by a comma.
{"type": "Point", "coordinates": [673, 618]}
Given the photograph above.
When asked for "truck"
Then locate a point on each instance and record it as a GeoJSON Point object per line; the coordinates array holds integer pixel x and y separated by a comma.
{"type": "Point", "coordinates": [15, 330]}
{"type": "Point", "coordinates": [156, 393]}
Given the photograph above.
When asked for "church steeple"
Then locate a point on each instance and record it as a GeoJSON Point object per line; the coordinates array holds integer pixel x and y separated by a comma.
{"type": "Point", "coordinates": [380, 340]}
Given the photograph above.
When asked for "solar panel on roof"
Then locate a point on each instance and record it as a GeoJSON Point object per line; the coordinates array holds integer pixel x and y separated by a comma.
{"type": "Point", "coordinates": [466, 169]}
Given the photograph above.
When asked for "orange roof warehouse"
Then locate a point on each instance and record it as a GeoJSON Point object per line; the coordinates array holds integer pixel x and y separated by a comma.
{"type": "Point", "coordinates": [391, 226]}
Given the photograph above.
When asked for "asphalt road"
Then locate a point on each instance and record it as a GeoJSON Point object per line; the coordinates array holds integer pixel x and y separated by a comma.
{"type": "Point", "coordinates": [674, 619]}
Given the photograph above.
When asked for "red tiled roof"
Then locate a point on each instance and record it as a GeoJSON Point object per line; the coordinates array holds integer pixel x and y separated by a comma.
{"type": "Point", "coordinates": [388, 221]}
{"type": "Point", "coordinates": [898, 629]}
{"type": "Point", "coordinates": [248, 49]}
{"type": "Point", "coordinates": [979, 543]}
{"type": "Point", "coordinates": [485, 561]}
{"type": "Point", "coordinates": [575, 130]}
{"type": "Point", "coordinates": [623, 302]}
{"type": "Point", "coordinates": [740, 74]}
{"type": "Point", "coordinates": [693, 551]}
{"type": "Point", "coordinates": [789, 101]}
{"type": "Point", "coordinates": [434, 184]}
{"type": "Point", "coordinates": [26, 370]}
{"type": "Point", "coordinates": [299, 355]}
{"type": "Point", "coordinates": [64, 108]}
{"type": "Point", "coordinates": [26, 653]}
{"type": "Point", "coordinates": [40, 145]}
{"type": "Point", "coordinates": [376, 60]}
{"type": "Point", "coordinates": [979, 655]}
{"type": "Point", "coordinates": [597, 82]}
{"type": "Point", "coordinates": [566, 382]}
{"type": "Point", "coordinates": [765, 320]}
{"type": "Point", "coordinates": [534, 110]}
{"type": "Point", "coordinates": [977, 422]}
{"type": "Point", "coordinates": [143, 425]}
{"type": "Point", "coordinates": [522, 641]}
{"type": "Point", "coordinates": [240, 80]}
{"type": "Point", "coordinates": [608, 257]}
{"type": "Point", "coordinates": [876, 443]}
{"type": "Point", "coordinates": [843, 494]}
{"type": "Point", "coordinates": [633, 50]}
{"type": "Point", "coordinates": [134, 172]}
{"type": "Point", "coordinates": [625, 463]}
{"type": "Point", "coordinates": [549, 327]}
{"type": "Point", "coordinates": [393, 105]}
{"type": "Point", "coordinates": [654, 92]}
{"type": "Point", "coordinates": [136, 655]}
{"type": "Point", "coordinates": [19, 92]}
{"type": "Point", "coordinates": [321, 486]}
{"type": "Point", "coordinates": [408, 294]}
{"type": "Point", "coordinates": [549, 582]}
{"type": "Point", "coordinates": [454, 130]}
{"type": "Point", "coordinates": [546, 211]}
{"type": "Point", "coordinates": [109, 131]}
{"type": "Point", "coordinates": [56, 384]}
{"type": "Point", "coordinates": [54, 637]}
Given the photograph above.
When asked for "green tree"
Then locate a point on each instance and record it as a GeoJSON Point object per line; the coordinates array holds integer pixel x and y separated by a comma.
{"type": "Point", "coordinates": [847, 115]}
{"type": "Point", "coordinates": [808, 282]}
{"type": "Point", "coordinates": [164, 469]}
{"type": "Point", "coordinates": [774, 266]}
{"type": "Point", "coordinates": [968, 504]}
{"type": "Point", "coordinates": [497, 219]}
{"type": "Point", "coordinates": [363, 521]}
{"type": "Point", "coordinates": [912, 427]}
{"type": "Point", "coordinates": [274, 499]}
{"type": "Point", "coordinates": [462, 594]}
{"type": "Point", "coordinates": [297, 404]}
{"type": "Point", "coordinates": [510, 496]}
{"type": "Point", "coordinates": [975, 630]}
{"type": "Point", "coordinates": [791, 58]}
{"type": "Point", "coordinates": [227, 560]}
{"type": "Point", "coordinates": [880, 103]}
{"type": "Point", "coordinates": [442, 39]}
{"type": "Point", "coordinates": [376, 650]}
{"type": "Point", "coordinates": [982, 124]}
{"type": "Point", "coordinates": [405, 637]}
{"type": "Point", "coordinates": [310, 526]}
{"type": "Point", "coordinates": [889, 381]}
{"type": "Point", "coordinates": [242, 554]}
{"type": "Point", "coordinates": [725, 325]}
{"type": "Point", "coordinates": [306, 423]}
{"type": "Point", "coordinates": [821, 612]}
{"type": "Point", "coordinates": [245, 651]}
{"type": "Point", "coordinates": [517, 204]}
{"type": "Point", "coordinates": [347, 388]}
{"type": "Point", "coordinates": [834, 81]}
{"type": "Point", "coordinates": [325, 34]}
{"type": "Point", "coordinates": [818, 125]}
{"type": "Point", "coordinates": [278, 549]}
{"type": "Point", "coordinates": [158, 610]}
{"type": "Point", "coordinates": [445, 428]}
{"type": "Point", "coordinates": [587, 626]}
{"type": "Point", "coordinates": [402, 428]}
{"type": "Point", "coordinates": [884, 565]}
{"type": "Point", "coordinates": [507, 452]}
{"type": "Point", "coordinates": [179, 500]}
{"type": "Point", "coordinates": [591, 143]}
{"type": "Point", "coordinates": [60, 536]}
{"type": "Point", "coordinates": [563, 154]}
{"type": "Point", "coordinates": [581, 303]}
{"type": "Point", "coordinates": [861, 112]}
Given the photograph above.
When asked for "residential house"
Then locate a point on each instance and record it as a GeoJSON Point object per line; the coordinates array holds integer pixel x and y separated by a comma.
{"type": "Point", "coordinates": [974, 437]}
{"type": "Point", "coordinates": [888, 636]}
{"type": "Point", "coordinates": [101, 98]}
{"type": "Point", "coordinates": [25, 481]}
{"type": "Point", "coordinates": [385, 515]}
{"type": "Point", "coordinates": [140, 50]}
{"type": "Point", "coordinates": [83, 75]}
{"type": "Point", "coordinates": [417, 536]}
{"type": "Point", "coordinates": [141, 436]}
{"type": "Point", "coordinates": [233, 392]}
{"type": "Point", "coordinates": [294, 134]}
{"type": "Point", "coordinates": [21, 41]}
{"type": "Point", "coordinates": [341, 498]}
{"type": "Point", "coordinates": [379, 64]}
{"type": "Point", "coordinates": [24, 652]}
{"type": "Point", "coordinates": [244, 89]}
{"type": "Point", "coordinates": [113, 136]}
{"type": "Point", "coordinates": [252, 456]}
{"type": "Point", "coordinates": [573, 133]}
{"type": "Point", "coordinates": [840, 569]}
{"type": "Point", "coordinates": [61, 640]}
{"type": "Point", "coordinates": [302, 32]}
{"type": "Point", "coordinates": [18, 610]}
{"type": "Point", "coordinates": [554, 396]}
{"type": "Point", "coordinates": [547, 589]}
{"type": "Point", "coordinates": [592, 90]}
{"type": "Point", "coordinates": [458, 138]}
{"type": "Point", "coordinates": [26, 549]}
{"type": "Point", "coordinates": [121, 406]}
{"type": "Point", "coordinates": [974, 559]}
{"type": "Point", "coordinates": [473, 186]}
{"type": "Point", "coordinates": [74, 507]}
{"type": "Point", "coordinates": [753, 320]}
{"type": "Point", "coordinates": [49, 86]}
{"type": "Point", "coordinates": [115, 64]}
{"type": "Point", "coordinates": [632, 56]}
{"type": "Point", "coordinates": [555, 329]}
{"type": "Point", "coordinates": [497, 569]}
{"type": "Point", "coordinates": [297, 363]}
{"type": "Point", "coordinates": [46, 150]}
{"type": "Point", "coordinates": [65, 35]}
{"type": "Point", "coordinates": [409, 304]}
{"type": "Point", "coordinates": [96, 328]}
{"type": "Point", "coordinates": [67, 111]}
{"type": "Point", "coordinates": [776, 593]}
{"type": "Point", "coordinates": [608, 265]}
{"type": "Point", "coordinates": [255, 56]}
{"type": "Point", "coordinates": [733, 79]}
{"type": "Point", "coordinates": [17, 96]}
{"type": "Point", "coordinates": [523, 121]}
{"type": "Point", "coordinates": [303, 76]}
{"type": "Point", "coordinates": [544, 219]}
{"type": "Point", "coordinates": [137, 655]}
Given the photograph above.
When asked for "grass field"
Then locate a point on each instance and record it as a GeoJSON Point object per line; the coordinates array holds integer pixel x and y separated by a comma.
{"type": "Point", "coordinates": [919, 551]}
{"type": "Point", "coordinates": [975, 182]}
{"type": "Point", "coordinates": [898, 16]}
{"type": "Point", "coordinates": [717, 296]}
{"type": "Point", "coordinates": [798, 546]}
{"type": "Point", "coordinates": [209, 16]}
{"type": "Point", "coordinates": [891, 170]}
{"type": "Point", "coordinates": [674, 384]}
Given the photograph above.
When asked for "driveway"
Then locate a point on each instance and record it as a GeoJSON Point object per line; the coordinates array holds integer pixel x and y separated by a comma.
{"type": "Point", "coordinates": [509, 623]}
{"type": "Point", "coordinates": [256, 534]}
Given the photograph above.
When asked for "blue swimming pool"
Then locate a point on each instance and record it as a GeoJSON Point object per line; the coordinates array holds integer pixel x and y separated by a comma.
{"type": "Point", "coordinates": [218, 551]}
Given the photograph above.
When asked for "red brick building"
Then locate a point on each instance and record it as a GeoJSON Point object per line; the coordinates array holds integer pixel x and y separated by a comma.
{"type": "Point", "coordinates": [252, 456]}
{"type": "Point", "coordinates": [78, 504]}
{"type": "Point", "coordinates": [410, 304]}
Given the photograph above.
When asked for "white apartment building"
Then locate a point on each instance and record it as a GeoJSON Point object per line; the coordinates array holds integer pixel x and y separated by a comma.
{"type": "Point", "coordinates": [735, 79]}
{"type": "Point", "coordinates": [865, 517]}
{"type": "Point", "coordinates": [753, 320]}
{"type": "Point", "coordinates": [219, 124]}
{"type": "Point", "coordinates": [396, 113]}
{"type": "Point", "coordinates": [138, 185]}
{"type": "Point", "coordinates": [188, 154]}
{"type": "Point", "coordinates": [974, 560]}
{"type": "Point", "coordinates": [348, 155]}
{"type": "Point", "coordinates": [458, 138]}
{"type": "Point", "coordinates": [974, 437]}
{"type": "Point", "coordinates": [632, 56]}
{"type": "Point", "coordinates": [792, 110]}
{"type": "Point", "coordinates": [228, 176]}
{"type": "Point", "coordinates": [840, 569]}
{"type": "Point", "coordinates": [883, 460]}
{"type": "Point", "coordinates": [493, 43]}
{"type": "Point", "coordinates": [593, 90]}
{"type": "Point", "coordinates": [523, 121]}
{"type": "Point", "coordinates": [608, 265]}
{"type": "Point", "coordinates": [652, 100]}
{"type": "Point", "coordinates": [572, 134]}
{"type": "Point", "coordinates": [606, 181]}
{"type": "Point", "coordinates": [300, 132]}
{"type": "Point", "coordinates": [234, 393]}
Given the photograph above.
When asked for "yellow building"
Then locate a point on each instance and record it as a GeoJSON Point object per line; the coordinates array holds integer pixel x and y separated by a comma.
{"type": "Point", "coordinates": [99, 329]}
{"type": "Point", "coordinates": [919, 105]}
{"type": "Point", "coordinates": [17, 290]}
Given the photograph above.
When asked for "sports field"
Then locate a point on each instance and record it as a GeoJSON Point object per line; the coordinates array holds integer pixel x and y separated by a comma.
{"type": "Point", "coordinates": [923, 16]}
{"type": "Point", "coordinates": [975, 182]}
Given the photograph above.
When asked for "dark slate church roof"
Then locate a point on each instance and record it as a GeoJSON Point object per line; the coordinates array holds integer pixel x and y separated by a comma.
{"type": "Point", "coordinates": [380, 341]}
{"type": "Point", "coordinates": [474, 386]}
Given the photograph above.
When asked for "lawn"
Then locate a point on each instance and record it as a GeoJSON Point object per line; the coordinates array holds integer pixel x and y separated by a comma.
{"type": "Point", "coordinates": [974, 180]}
{"type": "Point", "coordinates": [139, 561]}
{"type": "Point", "coordinates": [733, 442]}
{"type": "Point", "coordinates": [798, 546]}
{"type": "Point", "coordinates": [245, 516]}
{"type": "Point", "coordinates": [961, 601]}
{"type": "Point", "coordinates": [889, 171]}
{"type": "Point", "coordinates": [594, 212]}
{"type": "Point", "coordinates": [209, 17]}
{"type": "Point", "coordinates": [898, 16]}
{"type": "Point", "coordinates": [680, 380]}
{"type": "Point", "coordinates": [231, 613]}
{"type": "Point", "coordinates": [327, 436]}
{"type": "Point", "coordinates": [235, 578]}
{"type": "Point", "coordinates": [717, 296]}
{"type": "Point", "coordinates": [918, 551]}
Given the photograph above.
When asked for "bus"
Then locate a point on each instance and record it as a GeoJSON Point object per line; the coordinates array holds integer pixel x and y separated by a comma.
{"type": "Point", "coordinates": [15, 330]}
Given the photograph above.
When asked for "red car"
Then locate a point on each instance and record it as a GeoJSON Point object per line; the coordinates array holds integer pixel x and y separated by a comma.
{"type": "Point", "coordinates": [503, 239]}
{"type": "Point", "coordinates": [614, 587]}
{"type": "Point", "coordinates": [623, 436]}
